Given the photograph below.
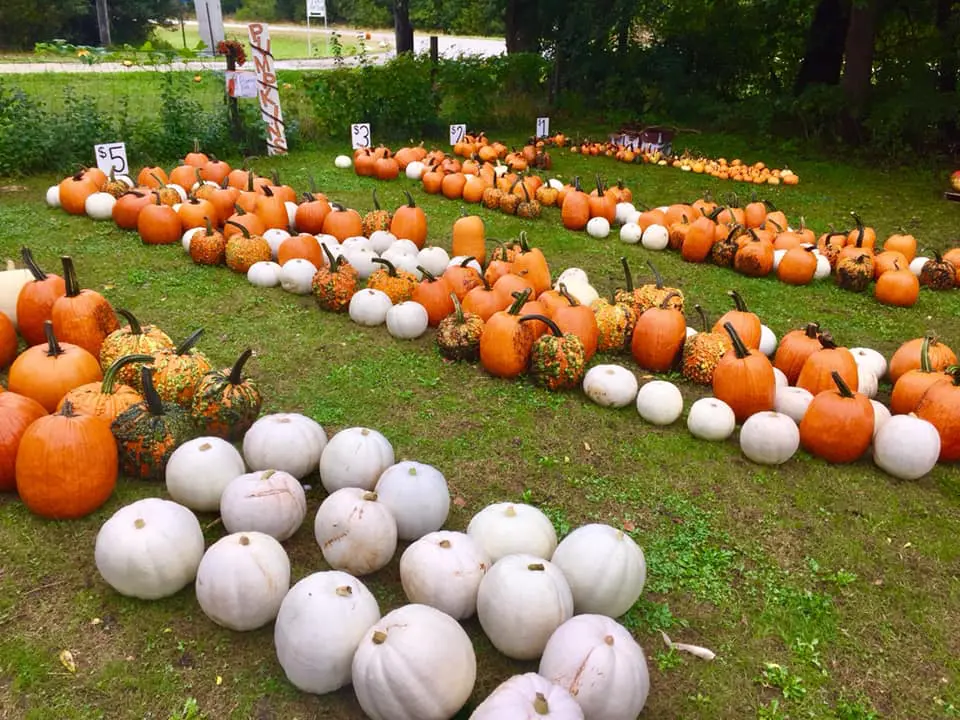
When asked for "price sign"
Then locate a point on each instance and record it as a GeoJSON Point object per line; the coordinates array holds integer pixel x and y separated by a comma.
{"type": "Point", "coordinates": [112, 158]}
{"type": "Point", "coordinates": [360, 135]}
{"type": "Point", "coordinates": [457, 133]}
{"type": "Point", "coordinates": [543, 127]}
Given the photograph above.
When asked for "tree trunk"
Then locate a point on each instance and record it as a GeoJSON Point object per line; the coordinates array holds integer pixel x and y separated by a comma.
{"type": "Point", "coordinates": [948, 27]}
{"type": "Point", "coordinates": [823, 57]}
{"type": "Point", "coordinates": [402, 27]}
{"type": "Point", "coordinates": [520, 19]}
{"type": "Point", "coordinates": [858, 53]}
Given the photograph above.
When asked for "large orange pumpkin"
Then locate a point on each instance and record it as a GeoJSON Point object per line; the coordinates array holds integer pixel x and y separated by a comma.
{"type": "Point", "coordinates": [410, 223]}
{"type": "Point", "coordinates": [17, 412]}
{"type": "Point", "coordinates": [74, 192]}
{"type": "Point", "coordinates": [83, 317]}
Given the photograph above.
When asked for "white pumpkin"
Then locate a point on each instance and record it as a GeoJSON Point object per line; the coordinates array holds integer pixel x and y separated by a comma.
{"type": "Point", "coordinates": [792, 402]}
{"type": "Point", "coordinates": [296, 276]}
{"type": "Point", "coordinates": [342, 162]}
{"type": "Point", "coordinates": [291, 214]}
{"type": "Point", "coordinates": [655, 237]}
{"type": "Point", "coordinates": [264, 273]}
{"type": "Point", "coordinates": [598, 227]}
{"type": "Point", "coordinates": [362, 260]}
{"type": "Point", "coordinates": [711, 419]}
{"type": "Point", "coordinates": [401, 658]}
{"type": "Point", "coordinates": [242, 580]}
{"type": "Point", "coordinates": [458, 259]}
{"type": "Point", "coordinates": [368, 307]}
{"type": "Point", "coordinates": [522, 599]}
{"type": "Point", "coordinates": [180, 190]}
{"type": "Point", "coordinates": [12, 281]}
{"type": "Point", "coordinates": [53, 196]}
{"type": "Point", "coordinates": [149, 549]}
{"type": "Point", "coordinates": [358, 242]}
{"type": "Point", "coordinates": [824, 269]}
{"type": "Point", "coordinates": [906, 447]}
{"type": "Point", "coordinates": [275, 238]}
{"type": "Point", "coordinates": [434, 259]}
{"type": "Point", "coordinates": [777, 257]}
{"type": "Point", "coordinates": [290, 442]}
{"type": "Point", "coordinates": [630, 233]}
{"type": "Point", "coordinates": [881, 413]}
{"type": "Point", "coordinates": [659, 402]}
{"type": "Point", "coordinates": [443, 569]}
{"type": "Point", "coordinates": [916, 265]}
{"type": "Point", "coordinates": [417, 496]}
{"type": "Point", "coordinates": [402, 261]}
{"type": "Point", "coordinates": [602, 666]}
{"type": "Point", "coordinates": [605, 568]}
{"type": "Point", "coordinates": [623, 212]}
{"type": "Point", "coordinates": [780, 378]}
{"type": "Point", "coordinates": [583, 292]}
{"type": "Point", "coordinates": [691, 332]}
{"type": "Point", "coordinates": [415, 169]}
{"type": "Point", "coordinates": [356, 533]}
{"type": "Point", "coordinates": [355, 457]}
{"type": "Point", "coordinates": [407, 320]}
{"type": "Point", "coordinates": [267, 501]}
{"type": "Point", "coordinates": [507, 528]}
{"type": "Point", "coordinates": [330, 243]}
{"type": "Point", "coordinates": [867, 382]}
{"type": "Point", "coordinates": [99, 206]}
{"type": "Point", "coordinates": [199, 471]}
{"type": "Point", "coordinates": [404, 246]}
{"type": "Point", "coordinates": [769, 438]}
{"type": "Point", "coordinates": [869, 359]}
{"type": "Point", "coordinates": [571, 275]}
{"type": "Point", "coordinates": [528, 697]}
{"type": "Point", "coordinates": [610, 385]}
{"type": "Point", "coordinates": [768, 341]}
{"type": "Point", "coordinates": [552, 182]}
{"type": "Point", "coordinates": [319, 627]}
{"type": "Point", "coordinates": [381, 240]}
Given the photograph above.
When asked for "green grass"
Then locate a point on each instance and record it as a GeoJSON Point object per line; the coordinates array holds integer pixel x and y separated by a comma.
{"type": "Point", "coordinates": [285, 44]}
{"type": "Point", "coordinates": [826, 592]}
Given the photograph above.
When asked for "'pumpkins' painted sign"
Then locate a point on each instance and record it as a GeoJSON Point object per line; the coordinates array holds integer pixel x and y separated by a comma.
{"type": "Point", "coordinates": [268, 92]}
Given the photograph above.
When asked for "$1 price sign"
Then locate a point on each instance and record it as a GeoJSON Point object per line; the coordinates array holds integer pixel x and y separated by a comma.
{"type": "Point", "coordinates": [457, 133]}
{"type": "Point", "coordinates": [112, 158]}
{"type": "Point", "coordinates": [543, 127]}
{"type": "Point", "coordinates": [360, 135]}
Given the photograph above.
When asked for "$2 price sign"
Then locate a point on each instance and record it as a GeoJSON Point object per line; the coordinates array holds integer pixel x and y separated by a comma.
{"type": "Point", "coordinates": [112, 158]}
{"type": "Point", "coordinates": [360, 135]}
{"type": "Point", "coordinates": [457, 133]}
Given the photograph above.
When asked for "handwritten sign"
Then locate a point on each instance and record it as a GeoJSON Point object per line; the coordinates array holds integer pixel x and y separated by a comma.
{"type": "Point", "coordinates": [543, 127]}
{"type": "Point", "coordinates": [112, 158]}
{"type": "Point", "coordinates": [269, 93]}
{"type": "Point", "coordinates": [360, 135]}
{"type": "Point", "coordinates": [241, 84]}
{"type": "Point", "coordinates": [457, 133]}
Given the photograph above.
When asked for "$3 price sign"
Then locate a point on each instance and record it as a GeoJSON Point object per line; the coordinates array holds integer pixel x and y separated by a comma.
{"type": "Point", "coordinates": [360, 135]}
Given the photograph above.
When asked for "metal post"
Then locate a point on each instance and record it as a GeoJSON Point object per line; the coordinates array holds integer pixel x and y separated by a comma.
{"type": "Point", "coordinates": [309, 45]}
{"type": "Point", "coordinates": [233, 108]}
{"type": "Point", "coordinates": [103, 22]}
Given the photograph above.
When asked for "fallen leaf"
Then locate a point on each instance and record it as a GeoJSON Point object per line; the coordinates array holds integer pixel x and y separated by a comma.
{"type": "Point", "coordinates": [219, 680]}
{"type": "Point", "coordinates": [109, 286]}
{"type": "Point", "coordinates": [566, 458]}
{"type": "Point", "coordinates": [628, 526]}
{"type": "Point", "coordinates": [66, 659]}
{"type": "Point", "coordinates": [96, 621]}
{"type": "Point", "coordinates": [459, 501]}
{"type": "Point", "coordinates": [586, 446]}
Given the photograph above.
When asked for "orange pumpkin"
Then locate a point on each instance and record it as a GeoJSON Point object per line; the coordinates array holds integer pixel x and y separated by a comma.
{"type": "Point", "coordinates": [744, 378]}
{"type": "Point", "coordinates": [82, 317]}
{"type": "Point", "coordinates": [816, 373]}
{"type": "Point", "coordinates": [469, 237]}
{"type": "Point", "coordinates": [343, 223]}
{"type": "Point", "coordinates": [575, 208]}
{"type": "Point", "coordinates": [410, 222]}
{"type": "Point", "coordinates": [74, 192]}
{"type": "Point", "coordinates": [746, 323]}
{"type": "Point", "coordinates": [838, 424]}
{"type": "Point", "coordinates": [159, 224]}
{"type": "Point", "coordinates": [17, 412]}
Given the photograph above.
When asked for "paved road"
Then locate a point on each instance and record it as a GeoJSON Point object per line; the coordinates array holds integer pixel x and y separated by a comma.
{"type": "Point", "coordinates": [381, 49]}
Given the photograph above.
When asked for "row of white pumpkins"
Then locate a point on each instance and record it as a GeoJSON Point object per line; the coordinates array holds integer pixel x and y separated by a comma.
{"type": "Point", "coordinates": [905, 446]}
{"type": "Point", "coordinates": [416, 662]}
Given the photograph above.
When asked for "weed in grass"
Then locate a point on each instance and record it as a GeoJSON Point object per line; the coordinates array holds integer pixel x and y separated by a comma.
{"type": "Point", "coordinates": [771, 711]}
{"type": "Point", "coordinates": [667, 660]}
{"type": "Point", "coordinates": [780, 677]}
{"type": "Point", "coordinates": [854, 710]}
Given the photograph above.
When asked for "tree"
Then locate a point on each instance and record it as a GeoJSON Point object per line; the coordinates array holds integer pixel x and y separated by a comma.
{"type": "Point", "coordinates": [823, 58]}
{"type": "Point", "coordinates": [402, 27]}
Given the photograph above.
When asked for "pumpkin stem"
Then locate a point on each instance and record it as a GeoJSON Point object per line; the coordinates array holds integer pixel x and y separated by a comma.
{"type": "Point", "coordinates": [187, 345]}
{"type": "Point", "coordinates": [275, 176]}
{"type": "Point", "coordinates": [70, 276]}
{"type": "Point", "coordinates": [656, 275]}
{"type": "Point", "coordinates": [775, 224]}
{"type": "Point", "coordinates": [391, 268]}
{"type": "Point", "coordinates": [860, 232]}
{"type": "Point", "coordinates": [628, 276]}
{"type": "Point", "coordinates": [209, 227]}
{"type": "Point", "coordinates": [27, 256]}
{"type": "Point", "coordinates": [554, 328]}
{"type": "Point", "coordinates": [521, 300]}
{"type": "Point", "coordinates": [135, 327]}
{"type": "Point", "coordinates": [334, 261]}
{"type": "Point", "coordinates": [841, 385]}
{"type": "Point", "coordinates": [410, 202]}
{"type": "Point", "coordinates": [703, 317]}
{"type": "Point", "coordinates": [239, 210]}
{"type": "Point", "coordinates": [524, 244]}
{"type": "Point", "coordinates": [426, 273]}
{"type": "Point", "coordinates": [812, 330]}
{"type": "Point", "coordinates": [666, 300]}
{"type": "Point", "coordinates": [576, 183]}
{"type": "Point", "coordinates": [376, 203]}
{"type": "Point", "coordinates": [715, 213]}
{"type": "Point", "coordinates": [738, 347]}
{"type": "Point", "coordinates": [267, 191]}
{"type": "Point", "coordinates": [110, 376]}
{"type": "Point", "coordinates": [540, 704]}
{"type": "Point", "coordinates": [738, 301]}
{"type": "Point", "coordinates": [53, 346]}
{"type": "Point", "coordinates": [155, 177]}
{"type": "Point", "coordinates": [66, 409]}
{"type": "Point", "coordinates": [570, 298]}
{"type": "Point", "coordinates": [236, 372]}
{"type": "Point", "coordinates": [599, 185]}
{"type": "Point", "coordinates": [770, 206]}
{"type": "Point", "coordinates": [457, 309]}
{"type": "Point", "coordinates": [250, 176]}
{"type": "Point", "coordinates": [954, 372]}
{"type": "Point", "coordinates": [243, 228]}
{"type": "Point", "coordinates": [925, 354]}
{"type": "Point", "coordinates": [313, 183]}
{"type": "Point", "coordinates": [150, 396]}
{"type": "Point", "coordinates": [196, 172]}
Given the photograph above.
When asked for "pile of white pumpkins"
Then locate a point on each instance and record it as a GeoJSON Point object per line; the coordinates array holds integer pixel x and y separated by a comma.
{"type": "Point", "coordinates": [534, 598]}
{"type": "Point", "coordinates": [904, 446]}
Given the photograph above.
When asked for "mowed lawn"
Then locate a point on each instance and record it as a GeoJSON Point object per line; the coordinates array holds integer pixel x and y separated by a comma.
{"type": "Point", "coordinates": [826, 592]}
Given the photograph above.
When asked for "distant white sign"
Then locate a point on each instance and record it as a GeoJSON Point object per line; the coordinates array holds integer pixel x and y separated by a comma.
{"type": "Point", "coordinates": [210, 19]}
{"type": "Point", "coordinates": [317, 8]}
{"type": "Point", "coordinates": [242, 84]}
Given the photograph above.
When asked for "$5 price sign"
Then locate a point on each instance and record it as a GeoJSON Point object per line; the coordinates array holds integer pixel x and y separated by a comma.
{"type": "Point", "coordinates": [112, 158]}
